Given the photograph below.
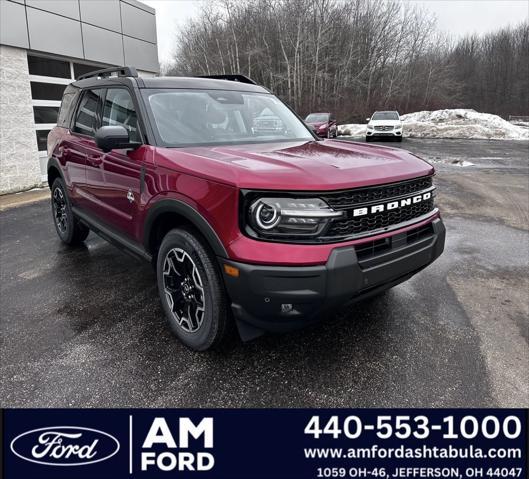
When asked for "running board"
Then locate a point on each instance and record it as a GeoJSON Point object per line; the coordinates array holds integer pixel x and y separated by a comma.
{"type": "Point", "coordinates": [118, 240]}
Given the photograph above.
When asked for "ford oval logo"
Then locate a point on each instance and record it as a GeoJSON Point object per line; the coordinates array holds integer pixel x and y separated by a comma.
{"type": "Point", "coordinates": [65, 446]}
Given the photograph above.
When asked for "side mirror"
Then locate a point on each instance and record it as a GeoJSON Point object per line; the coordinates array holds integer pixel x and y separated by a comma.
{"type": "Point", "coordinates": [113, 138]}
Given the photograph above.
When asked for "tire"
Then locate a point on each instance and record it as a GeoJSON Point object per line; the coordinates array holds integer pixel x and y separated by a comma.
{"type": "Point", "coordinates": [399, 139]}
{"type": "Point", "coordinates": [368, 139]}
{"type": "Point", "coordinates": [191, 291]}
{"type": "Point", "coordinates": [69, 229]}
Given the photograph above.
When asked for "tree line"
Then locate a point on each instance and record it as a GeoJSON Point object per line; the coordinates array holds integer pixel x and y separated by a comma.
{"type": "Point", "coordinates": [356, 56]}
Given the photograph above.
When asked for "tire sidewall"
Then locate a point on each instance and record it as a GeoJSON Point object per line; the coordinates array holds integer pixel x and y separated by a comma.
{"type": "Point", "coordinates": [207, 332]}
{"type": "Point", "coordinates": [66, 236]}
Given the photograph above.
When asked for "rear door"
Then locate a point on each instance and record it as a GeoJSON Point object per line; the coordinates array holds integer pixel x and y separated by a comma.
{"type": "Point", "coordinates": [80, 147]}
{"type": "Point", "coordinates": [113, 178]}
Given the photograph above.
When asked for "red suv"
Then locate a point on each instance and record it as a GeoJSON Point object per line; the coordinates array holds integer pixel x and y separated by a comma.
{"type": "Point", "coordinates": [267, 227]}
{"type": "Point", "coordinates": [323, 124]}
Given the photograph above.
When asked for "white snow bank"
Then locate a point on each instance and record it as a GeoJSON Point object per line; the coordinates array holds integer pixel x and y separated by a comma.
{"type": "Point", "coordinates": [460, 123]}
{"type": "Point", "coordinates": [352, 129]}
{"type": "Point", "coordinates": [456, 123]}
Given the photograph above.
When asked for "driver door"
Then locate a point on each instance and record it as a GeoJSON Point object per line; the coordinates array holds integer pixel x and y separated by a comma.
{"type": "Point", "coordinates": [113, 178]}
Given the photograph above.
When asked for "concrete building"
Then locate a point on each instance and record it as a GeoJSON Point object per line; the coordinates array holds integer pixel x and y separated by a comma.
{"type": "Point", "coordinates": [44, 45]}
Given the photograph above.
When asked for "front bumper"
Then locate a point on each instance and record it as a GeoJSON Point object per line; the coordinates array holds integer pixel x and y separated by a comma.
{"type": "Point", "coordinates": [393, 133]}
{"type": "Point", "coordinates": [282, 298]}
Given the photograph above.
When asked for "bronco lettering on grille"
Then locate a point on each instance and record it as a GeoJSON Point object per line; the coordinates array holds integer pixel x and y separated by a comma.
{"type": "Point", "coordinates": [391, 205]}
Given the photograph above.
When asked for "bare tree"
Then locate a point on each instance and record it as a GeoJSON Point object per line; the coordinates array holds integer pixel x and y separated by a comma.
{"type": "Point", "coordinates": [354, 56]}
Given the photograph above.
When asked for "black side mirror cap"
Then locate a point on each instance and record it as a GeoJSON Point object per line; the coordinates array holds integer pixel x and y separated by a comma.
{"type": "Point", "coordinates": [114, 138]}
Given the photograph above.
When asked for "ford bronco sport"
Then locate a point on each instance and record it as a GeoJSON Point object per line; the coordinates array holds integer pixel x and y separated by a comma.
{"type": "Point", "coordinates": [265, 227]}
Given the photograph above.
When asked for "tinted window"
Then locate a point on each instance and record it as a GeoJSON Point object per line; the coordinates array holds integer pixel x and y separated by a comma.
{"type": "Point", "coordinates": [317, 117]}
{"type": "Point", "coordinates": [86, 118]}
{"type": "Point", "coordinates": [68, 101]}
{"type": "Point", "coordinates": [45, 114]}
{"type": "Point", "coordinates": [46, 91]}
{"type": "Point", "coordinates": [48, 67]}
{"type": "Point", "coordinates": [119, 110]}
{"type": "Point", "coordinates": [385, 115]}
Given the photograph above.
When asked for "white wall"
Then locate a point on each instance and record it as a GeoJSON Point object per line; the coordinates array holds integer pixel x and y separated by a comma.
{"type": "Point", "coordinates": [19, 161]}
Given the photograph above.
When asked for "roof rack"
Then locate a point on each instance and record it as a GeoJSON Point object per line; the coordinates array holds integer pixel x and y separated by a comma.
{"type": "Point", "coordinates": [106, 72]}
{"type": "Point", "coordinates": [239, 78]}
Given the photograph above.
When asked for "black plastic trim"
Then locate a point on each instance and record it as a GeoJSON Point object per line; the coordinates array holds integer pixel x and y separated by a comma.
{"type": "Point", "coordinates": [106, 72]}
{"type": "Point", "coordinates": [235, 77]}
{"type": "Point", "coordinates": [54, 163]}
{"type": "Point", "coordinates": [117, 239]}
{"type": "Point", "coordinates": [190, 214]}
{"type": "Point", "coordinates": [259, 291]}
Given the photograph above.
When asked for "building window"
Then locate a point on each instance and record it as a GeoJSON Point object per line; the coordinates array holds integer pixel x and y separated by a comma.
{"type": "Point", "coordinates": [80, 69]}
{"type": "Point", "coordinates": [45, 114]}
{"type": "Point", "coordinates": [46, 91]}
{"type": "Point", "coordinates": [48, 67]}
{"type": "Point", "coordinates": [42, 139]}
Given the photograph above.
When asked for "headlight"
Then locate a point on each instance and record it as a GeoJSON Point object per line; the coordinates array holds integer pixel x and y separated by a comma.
{"type": "Point", "coordinates": [289, 217]}
{"type": "Point", "coordinates": [369, 127]}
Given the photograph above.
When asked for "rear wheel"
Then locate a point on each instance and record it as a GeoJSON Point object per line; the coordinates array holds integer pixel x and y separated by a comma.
{"type": "Point", "coordinates": [191, 290]}
{"type": "Point", "coordinates": [69, 229]}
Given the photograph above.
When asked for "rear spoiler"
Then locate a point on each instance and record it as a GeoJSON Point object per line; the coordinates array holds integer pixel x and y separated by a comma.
{"type": "Point", "coordinates": [238, 78]}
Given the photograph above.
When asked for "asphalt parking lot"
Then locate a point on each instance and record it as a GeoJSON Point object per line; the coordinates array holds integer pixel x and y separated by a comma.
{"type": "Point", "coordinates": [84, 327]}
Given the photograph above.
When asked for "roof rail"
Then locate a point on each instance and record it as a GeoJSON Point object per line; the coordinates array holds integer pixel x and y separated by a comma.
{"type": "Point", "coordinates": [239, 78]}
{"type": "Point", "coordinates": [106, 72]}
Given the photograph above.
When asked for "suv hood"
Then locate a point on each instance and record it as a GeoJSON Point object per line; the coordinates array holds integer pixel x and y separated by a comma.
{"type": "Point", "coordinates": [385, 123]}
{"type": "Point", "coordinates": [303, 166]}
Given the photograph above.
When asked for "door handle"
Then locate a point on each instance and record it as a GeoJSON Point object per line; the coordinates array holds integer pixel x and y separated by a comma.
{"type": "Point", "coordinates": [94, 160]}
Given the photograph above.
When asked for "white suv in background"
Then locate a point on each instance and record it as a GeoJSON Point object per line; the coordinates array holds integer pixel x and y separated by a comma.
{"type": "Point", "coordinates": [384, 123]}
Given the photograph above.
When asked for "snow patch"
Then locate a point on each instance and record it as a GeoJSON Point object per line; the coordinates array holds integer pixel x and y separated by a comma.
{"type": "Point", "coordinates": [460, 123]}
{"type": "Point", "coordinates": [455, 123]}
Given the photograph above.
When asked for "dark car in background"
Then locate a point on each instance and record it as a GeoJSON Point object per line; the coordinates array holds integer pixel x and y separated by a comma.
{"type": "Point", "coordinates": [323, 124]}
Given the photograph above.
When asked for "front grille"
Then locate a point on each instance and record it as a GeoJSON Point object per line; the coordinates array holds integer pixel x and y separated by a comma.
{"type": "Point", "coordinates": [347, 199]}
{"type": "Point", "coordinates": [383, 128]}
{"type": "Point", "coordinates": [359, 225]}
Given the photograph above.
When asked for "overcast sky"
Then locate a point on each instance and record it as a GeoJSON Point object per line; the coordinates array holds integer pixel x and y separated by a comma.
{"type": "Point", "coordinates": [457, 17]}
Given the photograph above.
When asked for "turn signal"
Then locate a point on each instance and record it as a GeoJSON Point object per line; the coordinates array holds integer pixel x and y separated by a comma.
{"type": "Point", "coordinates": [231, 270]}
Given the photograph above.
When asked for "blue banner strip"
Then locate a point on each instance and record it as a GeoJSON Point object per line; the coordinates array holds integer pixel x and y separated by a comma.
{"type": "Point", "coordinates": [264, 443]}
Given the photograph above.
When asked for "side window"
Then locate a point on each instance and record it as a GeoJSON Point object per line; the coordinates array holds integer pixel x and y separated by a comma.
{"type": "Point", "coordinates": [119, 110]}
{"type": "Point", "coordinates": [68, 101]}
{"type": "Point", "coordinates": [86, 118]}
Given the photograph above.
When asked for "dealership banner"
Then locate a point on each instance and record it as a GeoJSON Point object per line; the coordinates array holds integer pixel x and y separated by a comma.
{"type": "Point", "coordinates": [263, 443]}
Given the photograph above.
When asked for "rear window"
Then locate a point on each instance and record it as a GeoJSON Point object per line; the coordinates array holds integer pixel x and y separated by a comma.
{"type": "Point", "coordinates": [68, 101]}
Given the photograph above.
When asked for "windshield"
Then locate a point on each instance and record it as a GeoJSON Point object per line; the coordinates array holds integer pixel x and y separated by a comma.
{"type": "Point", "coordinates": [317, 118]}
{"type": "Point", "coordinates": [385, 115]}
{"type": "Point", "coordinates": [215, 117]}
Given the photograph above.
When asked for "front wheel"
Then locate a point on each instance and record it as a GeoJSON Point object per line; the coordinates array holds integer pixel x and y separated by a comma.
{"type": "Point", "coordinates": [69, 229]}
{"type": "Point", "coordinates": [191, 290]}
